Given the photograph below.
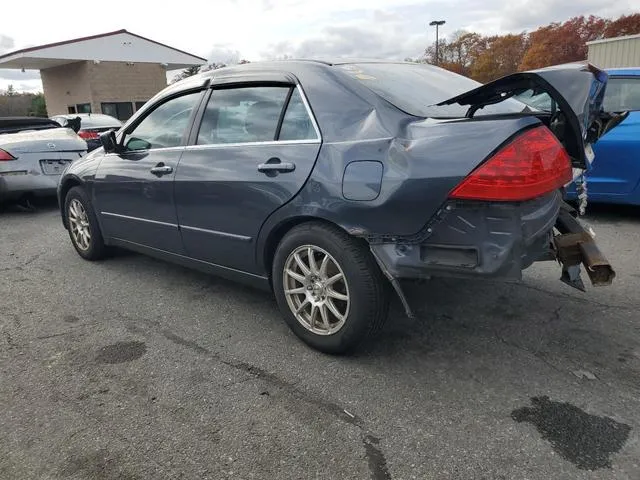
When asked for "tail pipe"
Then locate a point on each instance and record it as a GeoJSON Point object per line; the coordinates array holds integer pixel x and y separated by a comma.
{"type": "Point", "coordinates": [574, 246]}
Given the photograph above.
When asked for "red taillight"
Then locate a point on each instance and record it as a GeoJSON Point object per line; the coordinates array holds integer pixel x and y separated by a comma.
{"type": "Point", "coordinates": [5, 156]}
{"type": "Point", "coordinates": [533, 164]}
{"type": "Point", "coordinates": [88, 135]}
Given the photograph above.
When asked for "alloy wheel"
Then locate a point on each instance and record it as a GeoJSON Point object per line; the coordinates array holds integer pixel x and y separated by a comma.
{"type": "Point", "coordinates": [316, 290]}
{"type": "Point", "coordinates": [79, 224]}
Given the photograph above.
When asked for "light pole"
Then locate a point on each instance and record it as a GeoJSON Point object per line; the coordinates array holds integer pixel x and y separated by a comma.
{"type": "Point", "coordinates": [437, 24]}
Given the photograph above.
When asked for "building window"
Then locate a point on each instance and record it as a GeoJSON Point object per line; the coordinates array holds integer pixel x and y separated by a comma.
{"type": "Point", "coordinates": [71, 109]}
{"type": "Point", "coordinates": [139, 105]}
{"type": "Point", "coordinates": [83, 108]}
{"type": "Point", "coordinates": [119, 110]}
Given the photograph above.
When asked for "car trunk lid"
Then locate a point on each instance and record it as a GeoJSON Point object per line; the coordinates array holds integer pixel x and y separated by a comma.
{"type": "Point", "coordinates": [577, 89]}
{"type": "Point", "coordinates": [39, 141]}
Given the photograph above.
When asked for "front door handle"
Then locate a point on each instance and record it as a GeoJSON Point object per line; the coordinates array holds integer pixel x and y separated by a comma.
{"type": "Point", "coordinates": [161, 169]}
{"type": "Point", "coordinates": [274, 165]}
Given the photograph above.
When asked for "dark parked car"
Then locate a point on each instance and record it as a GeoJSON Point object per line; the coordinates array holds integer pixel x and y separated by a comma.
{"type": "Point", "coordinates": [91, 126]}
{"type": "Point", "coordinates": [330, 182]}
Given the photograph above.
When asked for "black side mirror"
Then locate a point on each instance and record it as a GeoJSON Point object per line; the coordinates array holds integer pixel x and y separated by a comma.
{"type": "Point", "coordinates": [109, 141]}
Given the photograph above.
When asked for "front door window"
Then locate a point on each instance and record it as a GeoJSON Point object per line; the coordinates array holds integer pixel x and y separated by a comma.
{"type": "Point", "coordinates": [166, 125]}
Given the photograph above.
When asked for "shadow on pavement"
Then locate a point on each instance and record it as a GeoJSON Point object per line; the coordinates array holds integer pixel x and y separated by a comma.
{"type": "Point", "coordinates": [613, 213]}
{"type": "Point", "coordinates": [32, 206]}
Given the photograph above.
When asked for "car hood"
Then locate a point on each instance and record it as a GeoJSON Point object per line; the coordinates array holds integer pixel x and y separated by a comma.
{"type": "Point", "coordinates": [578, 90]}
{"type": "Point", "coordinates": [51, 140]}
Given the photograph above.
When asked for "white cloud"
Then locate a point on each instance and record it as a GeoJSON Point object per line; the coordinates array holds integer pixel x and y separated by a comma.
{"type": "Point", "coordinates": [6, 43]}
{"type": "Point", "coordinates": [228, 30]}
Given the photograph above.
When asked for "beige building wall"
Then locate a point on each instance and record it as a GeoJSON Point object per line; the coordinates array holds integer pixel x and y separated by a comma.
{"type": "Point", "coordinates": [65, 85]}
{"type": "Point", "coordinates": [124, 82]}
{"type": "Point", "coordinates": [615, 53]}
{"type": "Point", "coordinates": [95, 83]}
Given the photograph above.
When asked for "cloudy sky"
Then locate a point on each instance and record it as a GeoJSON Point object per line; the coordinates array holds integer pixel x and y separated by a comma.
{"type": "Point", "coordinates": [226, 30]}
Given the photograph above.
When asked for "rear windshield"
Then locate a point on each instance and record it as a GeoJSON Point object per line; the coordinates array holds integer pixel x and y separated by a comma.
{"type": "Point", "coordinates": [622, 94]}
{"type": "Point", "coordinates": [417, 88]}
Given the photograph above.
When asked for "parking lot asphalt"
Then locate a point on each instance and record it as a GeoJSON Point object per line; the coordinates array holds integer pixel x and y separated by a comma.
{"type": "Point", "coordinates": [132, 368]}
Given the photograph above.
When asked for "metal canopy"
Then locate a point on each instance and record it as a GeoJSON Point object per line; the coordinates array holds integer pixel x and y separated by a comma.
{"type": "Point", "coordinates": [118, 46]}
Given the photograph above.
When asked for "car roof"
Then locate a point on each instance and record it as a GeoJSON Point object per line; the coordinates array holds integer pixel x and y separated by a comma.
{"type": "Point", "coordinates": [297, 67]}
{"type": "Point", "coordinates": [84, 115]}
{"type": "Point", "coordinates": [291, 65]}
{"type": "Point", "coordinates": [343, 61]}
{"type": "Point", "coordinates": [630, 71]}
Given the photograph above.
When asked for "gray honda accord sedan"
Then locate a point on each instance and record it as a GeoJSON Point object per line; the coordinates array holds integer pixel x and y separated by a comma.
{"type": "Point", "coordinates": [329, 182]}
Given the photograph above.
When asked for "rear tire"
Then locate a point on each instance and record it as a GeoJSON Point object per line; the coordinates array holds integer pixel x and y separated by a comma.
{"type": "Point", "coordinates": [83, 226]}
{"type": "Point", "coordinates": [329, 287]}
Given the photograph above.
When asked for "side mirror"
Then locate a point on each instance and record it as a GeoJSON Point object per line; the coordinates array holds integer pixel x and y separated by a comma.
{"type": "Point", "coordinates": [109, 141]}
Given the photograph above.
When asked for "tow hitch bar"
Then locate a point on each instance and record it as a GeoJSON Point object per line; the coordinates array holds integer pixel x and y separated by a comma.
{"type": "Point", "coordinates": [574, 246]}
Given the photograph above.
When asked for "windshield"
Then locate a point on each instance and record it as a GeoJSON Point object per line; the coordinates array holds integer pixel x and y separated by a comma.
{"type": "Point", "coordinates": [538, 100]}
{"type": "Point", "coordinates": [622, 94]}
{"type": "Point", "coordinates": [417, 88]}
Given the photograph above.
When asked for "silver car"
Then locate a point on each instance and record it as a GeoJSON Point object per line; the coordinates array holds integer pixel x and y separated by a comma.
{"type": "Point", "coordinates": [33, 153]}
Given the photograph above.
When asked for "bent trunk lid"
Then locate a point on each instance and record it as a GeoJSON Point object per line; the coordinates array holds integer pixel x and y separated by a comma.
{"type": "Point", "coordinates": [577, 88]}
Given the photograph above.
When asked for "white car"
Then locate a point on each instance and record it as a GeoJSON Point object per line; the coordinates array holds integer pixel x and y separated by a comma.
{"type": "Point", "coordinates": [33, 153]}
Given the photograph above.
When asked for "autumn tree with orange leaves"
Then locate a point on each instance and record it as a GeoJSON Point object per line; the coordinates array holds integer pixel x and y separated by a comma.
{"type": "Point", "coordinates": [487, 58]}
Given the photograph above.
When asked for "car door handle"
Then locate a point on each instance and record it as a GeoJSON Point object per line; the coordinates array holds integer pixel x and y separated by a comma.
{"type": "Point", "coordinates": [274, 165]}
{"type": "Point", "coordinates": [161, 169]}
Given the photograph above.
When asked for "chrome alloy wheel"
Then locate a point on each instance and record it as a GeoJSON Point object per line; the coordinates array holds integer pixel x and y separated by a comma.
{"type": "Point", "coordinates": [79, 224]}
{"type": "Point", "coordinates": [316, 290]}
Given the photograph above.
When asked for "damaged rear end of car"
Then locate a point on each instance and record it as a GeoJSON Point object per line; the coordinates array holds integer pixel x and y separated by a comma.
{"type": "Point", "coordinates": [507, 211]}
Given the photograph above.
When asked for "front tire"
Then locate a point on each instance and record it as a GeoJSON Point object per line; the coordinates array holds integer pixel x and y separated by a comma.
{"type": "Point", "coordinates": [83, 226]}
{"type": "Point", "coordinates": [329, 287]}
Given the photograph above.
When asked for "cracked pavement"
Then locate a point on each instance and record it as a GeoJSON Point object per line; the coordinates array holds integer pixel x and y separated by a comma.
{"type": "Point", "coordinates": [132, 368]}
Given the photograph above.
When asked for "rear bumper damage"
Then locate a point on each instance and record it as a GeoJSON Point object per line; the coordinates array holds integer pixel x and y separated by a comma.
{"type": "Point", "coordinates": [494, 240]}
{"type": "Point", "coordinates": [575, 246]}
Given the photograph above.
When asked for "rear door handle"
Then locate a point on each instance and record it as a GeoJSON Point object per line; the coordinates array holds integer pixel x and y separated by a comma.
{"type": "Point", "coordinates": [274, 165]}
{"type": "Point", "coordinates": [161, 169]}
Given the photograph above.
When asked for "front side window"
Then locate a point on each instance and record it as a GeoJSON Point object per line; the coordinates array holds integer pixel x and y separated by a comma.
{"type": "Point", "coordinates": [622, 94]}
{"type": "Point", "coordinates": [166, 125]}
{"type": "Point", "coordinates": [242, 115]}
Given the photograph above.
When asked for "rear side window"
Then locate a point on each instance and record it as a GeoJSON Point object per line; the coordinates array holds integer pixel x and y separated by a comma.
{"type": "Point", "coordinates": [242, 115]}
{"type": "Point", "coordinates": [622, 94]}
{"type": "Point", "coordinates": [296, 123]}
{"type": "Point", "coordinates": [417, 88]}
